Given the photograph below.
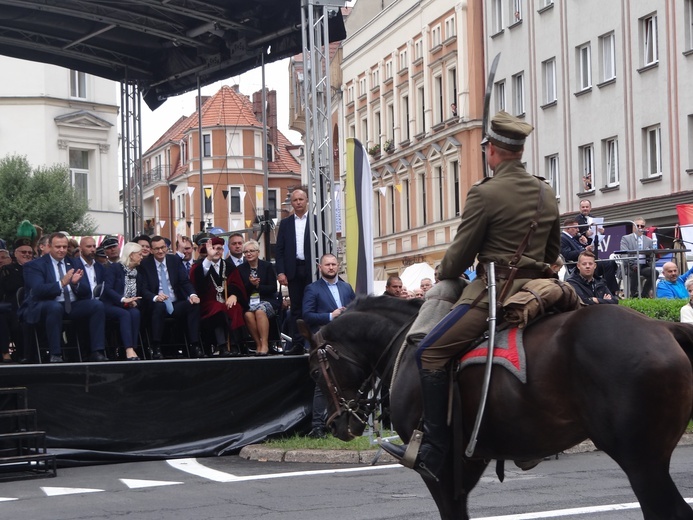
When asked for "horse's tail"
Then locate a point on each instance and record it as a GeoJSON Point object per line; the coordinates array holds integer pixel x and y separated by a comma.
{"type": "Point", "coordinates": [683, 333]}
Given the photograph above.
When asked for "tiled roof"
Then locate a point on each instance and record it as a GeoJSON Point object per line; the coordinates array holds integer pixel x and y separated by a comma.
{"type": "Point", "coordinates": [284, 161]}
{"type": "Point", "coordinates": [226, 108]}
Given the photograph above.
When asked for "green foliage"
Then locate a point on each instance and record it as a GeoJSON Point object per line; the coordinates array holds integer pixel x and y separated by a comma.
{"type": "Point", "coordinates": [44, 196]}
{"type": "Point", "coordinates": [659, 308]}
{"type": "Point", "coordinates": [298, 442]}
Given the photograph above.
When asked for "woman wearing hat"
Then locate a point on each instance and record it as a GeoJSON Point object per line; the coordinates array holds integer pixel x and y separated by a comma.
{"type": "Point", "coordinates": [121, 297]}
{"type": "Point", "coordinates": [222, 296]}
{"type": "Point", "coordinates": [260, 282]}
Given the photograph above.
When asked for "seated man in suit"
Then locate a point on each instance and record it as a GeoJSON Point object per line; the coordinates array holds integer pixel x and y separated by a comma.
{"type": "Point", "coordinates": [638, 241]}
{"type": "Point", "coordinates": [167, 291]}
{"type": "Point", "coordinates": [56, 286]}
{"type": "Point", "coordinates": [323, 301]}
{"type": "Point", "coordinates": [572, 243]}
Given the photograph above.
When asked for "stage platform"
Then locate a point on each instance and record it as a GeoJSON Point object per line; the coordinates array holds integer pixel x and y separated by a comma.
{"type": "Point", "coordinates": [141, 410]}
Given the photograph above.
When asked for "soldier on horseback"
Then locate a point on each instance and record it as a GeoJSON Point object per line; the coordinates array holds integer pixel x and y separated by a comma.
{"type": "Point", "coordinates": [510, 219]}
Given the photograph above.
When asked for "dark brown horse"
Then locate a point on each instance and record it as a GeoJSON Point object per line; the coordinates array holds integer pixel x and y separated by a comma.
{"type": "Point", "coordinates": [603, 372]}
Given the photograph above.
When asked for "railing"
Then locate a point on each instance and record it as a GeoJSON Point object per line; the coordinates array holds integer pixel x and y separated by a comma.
{"type": "Point", "coordinates": [156, 174]}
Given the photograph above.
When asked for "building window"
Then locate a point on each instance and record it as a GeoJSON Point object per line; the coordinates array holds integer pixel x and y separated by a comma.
{"type": "Point", "coordinates": [418, 49]}
{"type": "Point", "coordinates": [79, 172]}
{"type": "Point", "coordinates": [180, 206]}
{"type": "Point", "coordinates": [403, 60]}
{"type": "Point", "coordinates": [423, 203]}
{"type": "Point", "coordinates": [206, 145]}
{"type": "Point", "coordinates": [516, 11]}
{"type": "Point", "coordinates": [585, 67]}
{"type": "Point", "coordinates": [440, 192]}
{"type": "Point", "coordinates": [549, 70]}
{"type": "Point", "coordinates": [649, 39]}
{"type": "Point", "coordinates": [272, 203]}
{"type": "Point", "coordinates": [438, 99]}
{"type": "Point", "coordinates": [552, 174]}
{"type": "Point", "coordinates": [500, 95]}
{"type": "Point", "coordinates": [608, 48]}
{"type": "Point", "coordinates": [270, 152]}
{"type": "Point", "coordinates": [422, 109]}
{"type": "Point", "coordinates": [519, 94]}
{"type": "Point", "coordinates": [78, 84]}
{"type": "Point", "coordinates": [388, 69]}
{"type": "Point", "coordinates": [452, 85]}
{"type": "Point", "coordinates": [450, 30]}
{"type": "Point", "coordinates": [653, 136]}
{"type": "Point", "coordinates": [364, 130]}
{"type": "Point", "coordinates": [391, 214]}
{"type": "Point", "coordinates": [611, 153]}
{"type": "Point", "coordinates": [586, 167]}
{"type": "Point", "coordinates": [378, 128]}
{"type": "Point", "coordinates": [377, 228]}
{"type": "Point", "coordinates": [405, 118]}
{"type": "Point", "coordinates": [406, 196]}
{"type": "Point", "coordinates": [350, 94]}
{"type": "Point", "coordinates": [183, 152]}
{"type": "Point", "coordinates": [435, 37]}
{"type": "Point", "coordinates": [209, 200]}
{"type": "Point", "coordinates": [375, 77]}
{"type": "Point", "coordinates": [362, 87]}
{"type": "Point", "coordinates": [454, 169]}
{"type": "Point", "coordinates": [688, 19]}
{"type": "Point", "coordinates": [496, 16]}
{"type": "Point", "coordinates": [235, 199]}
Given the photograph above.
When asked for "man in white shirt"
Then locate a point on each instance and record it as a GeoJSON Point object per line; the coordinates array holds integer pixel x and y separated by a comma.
{"type": "Point", "coordinates": [184, 249]}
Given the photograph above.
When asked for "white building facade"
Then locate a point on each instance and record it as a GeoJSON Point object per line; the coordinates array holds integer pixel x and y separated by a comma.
{"type": "Point", "coordinates": [54, 115]}
{"type": "Point", "coordinates": [607, 87]}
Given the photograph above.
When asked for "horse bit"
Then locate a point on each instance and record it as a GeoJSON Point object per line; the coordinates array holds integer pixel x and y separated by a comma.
{"type": "Point", "coordinates": [361, 407]}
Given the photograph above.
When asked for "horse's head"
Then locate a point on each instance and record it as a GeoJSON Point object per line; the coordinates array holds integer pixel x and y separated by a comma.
{"type": "Point", "coordinates": [348, 355]}
{"type": "Point", "coordinates": [344, 382]}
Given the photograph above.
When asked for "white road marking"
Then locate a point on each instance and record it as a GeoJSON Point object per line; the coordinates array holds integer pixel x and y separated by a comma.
{"type": "Point", "coordinates": [195, 468]}
{"type": "Point", "coordinates": [570, 512]}
{"type": "Point", "coordinates": [3, 499]}
{"type": "Point", "coordinates": [137, 484]}
{"type": "Point", "coordinates": [57, 491]}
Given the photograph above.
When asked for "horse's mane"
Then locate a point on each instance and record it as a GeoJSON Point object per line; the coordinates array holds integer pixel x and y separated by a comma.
{"type": "Point", "coordinates": [373, 317]}
{"type": "Point", "coordinates": [379, 303]}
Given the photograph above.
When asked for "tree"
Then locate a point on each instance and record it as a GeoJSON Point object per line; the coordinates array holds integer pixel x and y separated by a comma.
{"type": "Point", "coordinates": [42, 195]}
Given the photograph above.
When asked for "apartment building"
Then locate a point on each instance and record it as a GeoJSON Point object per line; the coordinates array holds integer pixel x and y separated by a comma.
{"type": "Point", "coordinates": [232, 168]}
{"type": "Point", "coordinates": [412, 93]}
{"type": "Point", "coordinates": [54, 115]}
{"type": "Point", "coordinates": [607, 87]}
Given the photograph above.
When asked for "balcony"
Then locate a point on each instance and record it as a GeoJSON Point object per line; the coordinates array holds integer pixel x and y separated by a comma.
{"type": "Point", "coordinates": [156, 174]}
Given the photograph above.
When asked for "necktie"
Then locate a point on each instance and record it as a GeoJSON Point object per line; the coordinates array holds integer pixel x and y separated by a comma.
{"type": "Point", "coordinates": [164, 289]}
{"type": "Point", "coordinates": [66, 293]}
{"type": "Point", "coordinates": [187, 266]}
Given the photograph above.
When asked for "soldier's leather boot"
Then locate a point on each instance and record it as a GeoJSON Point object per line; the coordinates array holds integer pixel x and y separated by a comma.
{"type": "Point", "coordinates": [436, 435]}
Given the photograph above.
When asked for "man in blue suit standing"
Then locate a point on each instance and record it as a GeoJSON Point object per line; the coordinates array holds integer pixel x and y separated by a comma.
{"type": "Point", "coordinates": [293, 259]}
{"type": "Point", "coordinates": [55, 286]}
{"type": "Point", "coordinates": [323, 301]}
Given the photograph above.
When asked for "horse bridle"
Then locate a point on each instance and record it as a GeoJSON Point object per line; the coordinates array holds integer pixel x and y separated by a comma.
{"type": "Point", "coordinates": [361, 407]}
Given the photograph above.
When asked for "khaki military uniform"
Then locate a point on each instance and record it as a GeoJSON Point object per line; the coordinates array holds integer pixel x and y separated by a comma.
{"type": "Point", "coordinates": [496, 218]}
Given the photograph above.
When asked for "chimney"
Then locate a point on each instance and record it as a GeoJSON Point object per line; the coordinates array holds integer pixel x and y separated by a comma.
{"type": "Point", "coordinates": [197, 101]}
{"type": "Point", "coordinates": [272, 116]}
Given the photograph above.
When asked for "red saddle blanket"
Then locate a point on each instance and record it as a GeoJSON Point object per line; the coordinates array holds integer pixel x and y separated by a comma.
{"type": "Point", "coordinates": [508, 352]}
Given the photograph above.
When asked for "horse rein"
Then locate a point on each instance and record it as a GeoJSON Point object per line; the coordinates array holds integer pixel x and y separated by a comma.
{"type": "Point", "coordinates": [363, 406]}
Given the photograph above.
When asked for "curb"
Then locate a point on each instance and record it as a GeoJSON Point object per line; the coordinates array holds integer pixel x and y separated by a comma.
{"type": "Point", "coordinates": [260, 453]}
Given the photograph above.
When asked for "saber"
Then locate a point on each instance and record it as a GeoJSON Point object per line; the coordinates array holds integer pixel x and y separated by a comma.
{"type": "Point", "coordinates": [491, 285]}
{"type": "Point", "coordinates": [487, 108]}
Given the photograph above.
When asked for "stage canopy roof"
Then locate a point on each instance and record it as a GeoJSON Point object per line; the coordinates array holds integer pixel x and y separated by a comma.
{"type": "Point", "coordinates": [162, 44]}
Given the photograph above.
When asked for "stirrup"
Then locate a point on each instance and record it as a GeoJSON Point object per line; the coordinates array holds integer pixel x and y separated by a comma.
{"type": "Point", "coordinates": [409, 459]}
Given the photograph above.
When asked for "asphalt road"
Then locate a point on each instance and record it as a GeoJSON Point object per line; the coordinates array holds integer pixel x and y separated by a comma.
{"type": "Point", "coordinates": [233, 488]}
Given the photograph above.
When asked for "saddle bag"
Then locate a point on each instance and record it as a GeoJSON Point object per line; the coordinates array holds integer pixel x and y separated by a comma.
{"type": "Point", "coordinates": [538, 297]}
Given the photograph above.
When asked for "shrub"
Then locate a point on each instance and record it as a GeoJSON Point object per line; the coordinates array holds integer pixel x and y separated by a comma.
{"type": "Point", "coordinates": [658, 308]}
